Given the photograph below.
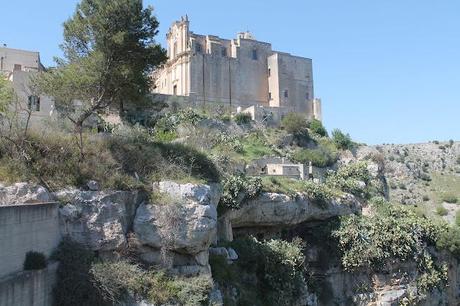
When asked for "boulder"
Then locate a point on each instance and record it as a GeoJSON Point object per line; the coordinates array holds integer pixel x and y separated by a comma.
{"type": "Point", "coordinates": [219, 251]}
{"type": "Point", "coordinates": [232, 255]}
{"type": "Point", "coordinates": [187, 226]}
{"type": "Point", "coordinates": [93, 186]}
{"type": "Point", "coordinates": [23, 193]}
{"type": "Point", "coordinates": [99, 220]}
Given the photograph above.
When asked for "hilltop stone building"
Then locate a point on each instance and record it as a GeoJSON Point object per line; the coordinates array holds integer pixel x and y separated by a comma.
{"type": "Point", "coordinates": [18, 66]}
{"type": "Point", "coordinates": [241, 72]}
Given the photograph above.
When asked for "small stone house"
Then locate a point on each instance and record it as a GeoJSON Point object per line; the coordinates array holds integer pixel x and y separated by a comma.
{"type": "Point", "coordinates": [287, 170]}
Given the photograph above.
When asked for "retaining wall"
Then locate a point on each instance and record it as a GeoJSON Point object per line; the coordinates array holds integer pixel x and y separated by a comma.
{"type": "Point", "coordinates": [24, 228]}
{"type": "Point", "coordinates": [28, 288]}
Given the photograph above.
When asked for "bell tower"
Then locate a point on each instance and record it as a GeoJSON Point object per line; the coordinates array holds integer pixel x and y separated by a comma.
{"type": "Point", "coordinates": [178, 37]}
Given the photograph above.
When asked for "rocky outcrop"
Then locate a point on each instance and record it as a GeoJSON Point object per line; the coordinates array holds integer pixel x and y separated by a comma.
{"type": "Point", "coordinates": [375, 166]}
{"type": "Point", "coordinates": [180, 226]}
{"type": "Point", "coordinates": [184, 227]}
{"type": "Point", "coordinates": [23, 193]}
{"type": "Point", "coordinates": [273, 209]}
{"type": "Point", "coordinates": [99, 220]}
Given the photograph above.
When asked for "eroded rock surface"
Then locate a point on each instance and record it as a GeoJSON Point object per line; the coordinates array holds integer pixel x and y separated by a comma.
{"type": "Point", "coordinates": [184, 227]}
{"type": "Point", "coordinates": [98, 219]}
{"type": "Point", "coordinates": [23, 193]}
{"type": "Point", "coordinates": [273, 209]}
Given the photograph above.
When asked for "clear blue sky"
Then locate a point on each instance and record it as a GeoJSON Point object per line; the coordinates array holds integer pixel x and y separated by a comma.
{"type": "Point", "coordinates": [387, 71]}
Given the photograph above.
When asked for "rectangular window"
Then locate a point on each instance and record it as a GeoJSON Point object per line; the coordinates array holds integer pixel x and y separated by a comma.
{"type": "Point", "coordinates": [254, 54]}
{"type": "Point", "coordinates": [269, 72]}
{"type": "Point", "coordinates": [198, 48]}
{"type": "Point", "coordinates": [175, 90]}
{"type": "Point", "coordinates": [307, 96]}
{"type": "Point", "coordinates": [224, 52]}
{"type": "Point", "coordinates": [286, 93]}
{"type": "Point", "coordinates": [17, 67]}
{"type": "Point", "coordinates": [269, 96]}
{"type": "Point", "coordinates": [34, 103]}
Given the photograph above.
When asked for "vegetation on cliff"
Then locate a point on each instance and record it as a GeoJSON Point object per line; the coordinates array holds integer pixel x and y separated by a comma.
{"type": "Point", "coordinates": [267, 273]}
{"type": "Point", "coordinates": [394, 235]}
{"type": "Point", "coordinates": [83, 279]}
{"type": "Point", "coordinates": [128, 159]}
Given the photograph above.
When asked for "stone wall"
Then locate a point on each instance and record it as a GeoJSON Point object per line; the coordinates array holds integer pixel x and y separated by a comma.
{"type": "Point", "coordinates": [29, 288]}
{"type": "Point", "coordinates": [24, 228]}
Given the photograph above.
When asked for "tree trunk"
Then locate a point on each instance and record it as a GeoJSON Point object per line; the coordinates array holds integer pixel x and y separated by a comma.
{"type": "Point", "coordinates": [79, 131]}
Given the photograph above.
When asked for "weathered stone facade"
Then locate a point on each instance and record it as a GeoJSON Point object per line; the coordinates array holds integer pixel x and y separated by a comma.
{"type": "Point", "coordinates": [18, 66]}
{"type": "Point", "coordinates": [240, 72]}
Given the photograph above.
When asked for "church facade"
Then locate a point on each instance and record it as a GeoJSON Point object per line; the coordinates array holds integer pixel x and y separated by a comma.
{"type": "Point", "coordinates": [242, 73]}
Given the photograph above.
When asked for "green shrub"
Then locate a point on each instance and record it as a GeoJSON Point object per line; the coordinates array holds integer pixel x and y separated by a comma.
{"type": "Point", "coordinates": [243, 118]}
{"type": "Point", "coordinates": [35, 261]}
{"type": "Point", "coordinates": [449, 240]}
{"type": "Point", "coordinates": [458, 160]}
{"type": "Point", "coordinates": [171, 120]}
{"type": "Point", "coordinates": [442, 211]}
{"type": "Point", "coordinates": [189, 115]}
{"type": "Point", "coordinates": [317, 127]}
{"type": "Point", "coordinates": [165, 136]}
{"type": "Point", "coordinates": [229, 141]}
{"type": "Point", "coordinates": [449, 198]}
{"type": "Point", "coordinates": [341, 140]}
{"type": "Point", "coordinates": [457, 218]}
{"type": "Point", "coordinates": [348, 178]}
{"type": "Point", "coordinates": [225, 117]}
{"type": "Point", "coordinates": [276, 270]}
{"type": "Point", "coordinates": [319, 192]}
{"type": "Point", "coordinates": [320, 157]}
{"type": "Point", "coordinates": [166, 124]}
{"type": "Point", "coordinates": [425, 198]}
{"type": "Point", "coordinates": [239, 188]}
{"type": "Point", "coordinates": [294, 123]}
{"type": "Point", "coordinates": [391, 233]}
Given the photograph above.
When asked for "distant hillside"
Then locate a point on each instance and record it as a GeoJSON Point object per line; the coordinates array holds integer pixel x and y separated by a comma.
{"type": "Point", "coordinates": [426, 175]}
